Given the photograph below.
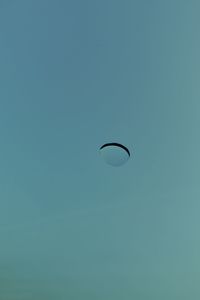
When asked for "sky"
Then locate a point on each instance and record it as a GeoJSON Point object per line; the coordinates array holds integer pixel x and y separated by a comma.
{"type": "Point", "coordinates": [75, 75]}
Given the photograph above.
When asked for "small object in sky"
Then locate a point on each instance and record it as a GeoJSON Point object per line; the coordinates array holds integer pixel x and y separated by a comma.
{"type": "Point", "coordinates": [114, 154]}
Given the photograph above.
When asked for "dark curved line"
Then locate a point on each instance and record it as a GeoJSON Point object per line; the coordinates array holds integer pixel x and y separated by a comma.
{"type": "Point", "coordinates": [117, 145]}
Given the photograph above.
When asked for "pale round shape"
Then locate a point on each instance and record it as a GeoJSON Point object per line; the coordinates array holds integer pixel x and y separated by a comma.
{"type": "Point", "coordinates": [114, 154]}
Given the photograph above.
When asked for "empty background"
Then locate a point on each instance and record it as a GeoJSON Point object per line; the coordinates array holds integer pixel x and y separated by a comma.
{"type": "Point", "coordinates": [73, 76]}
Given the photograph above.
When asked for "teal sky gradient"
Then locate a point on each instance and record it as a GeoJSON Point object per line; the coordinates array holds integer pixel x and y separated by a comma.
{"type": "Point", "coordinates": [73, 76]}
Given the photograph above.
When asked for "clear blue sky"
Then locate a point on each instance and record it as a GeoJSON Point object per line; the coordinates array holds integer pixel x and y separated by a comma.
{"type": "Point", "coordinates": [73, 76]}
